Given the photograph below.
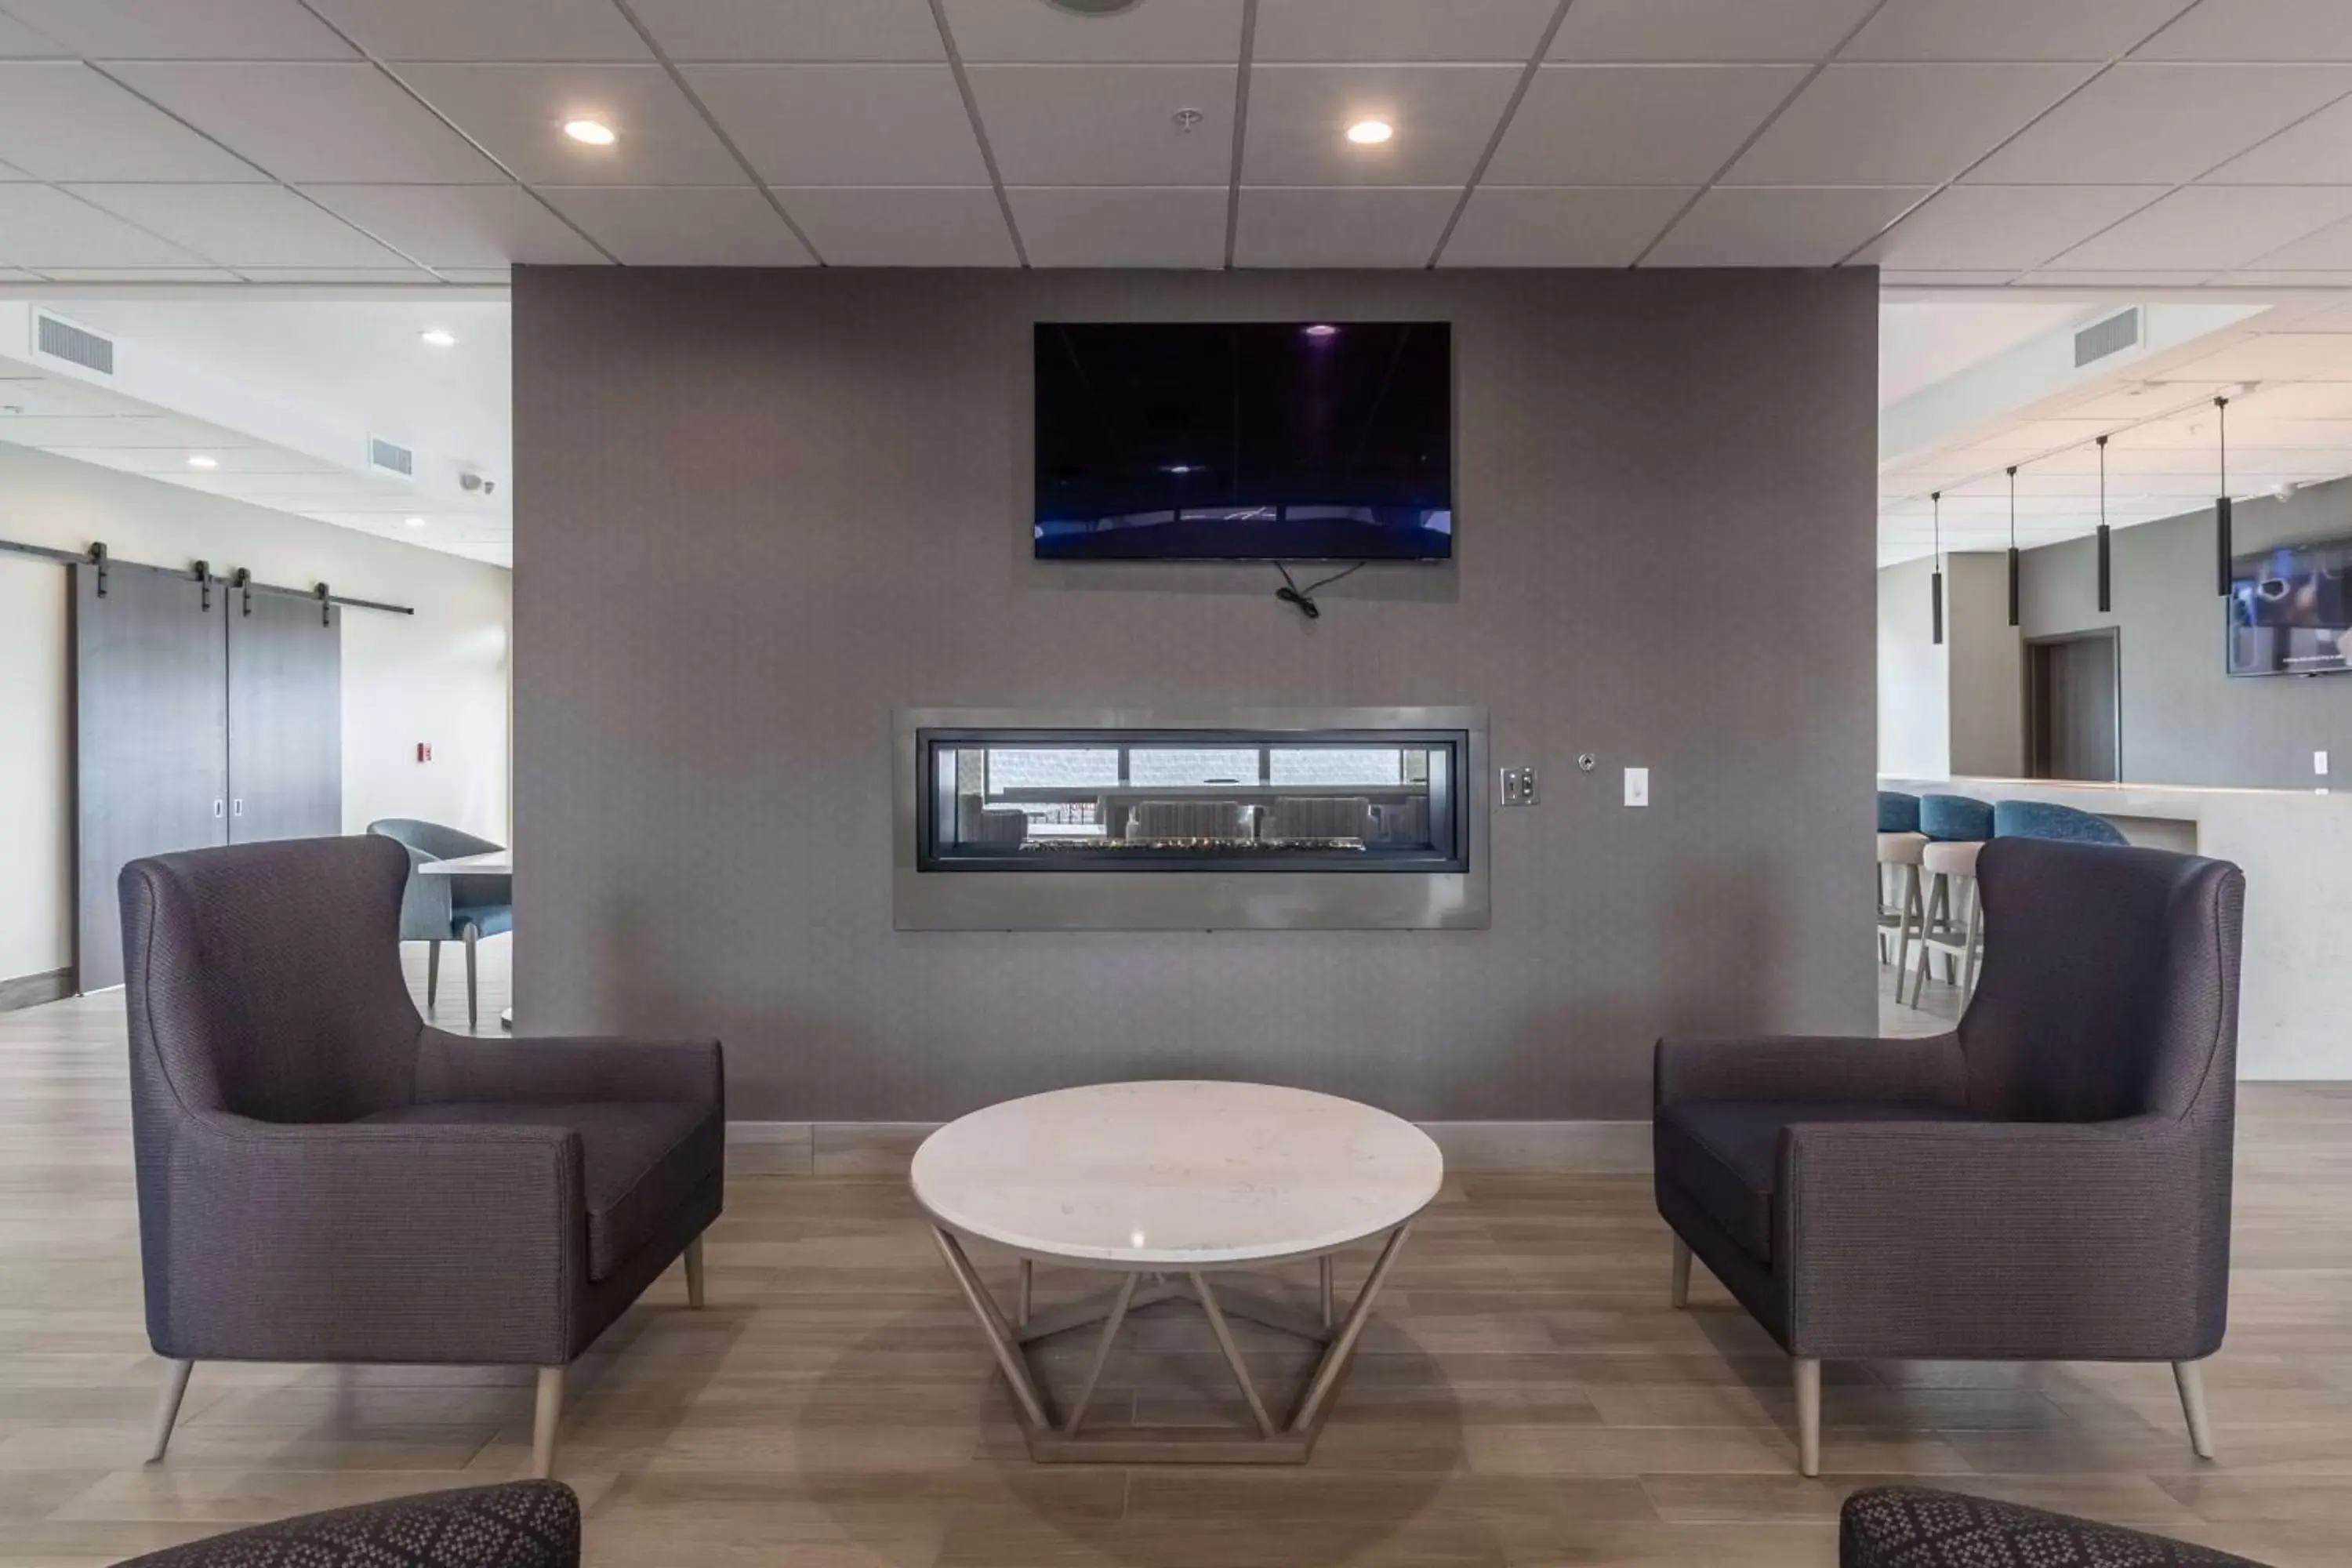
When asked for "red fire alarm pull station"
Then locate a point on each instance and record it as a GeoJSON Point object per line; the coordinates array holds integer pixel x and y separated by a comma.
{"type": "Point", "coordinates": [423, 751]}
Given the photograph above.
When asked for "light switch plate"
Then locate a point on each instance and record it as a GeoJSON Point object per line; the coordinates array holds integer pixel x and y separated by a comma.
{"type": "Point", "coordinates": [2319, 763]}
{"type": "Point", "coordinates": [1637, 786]}
{"type": "Point", "coordinates": [1518, 786]}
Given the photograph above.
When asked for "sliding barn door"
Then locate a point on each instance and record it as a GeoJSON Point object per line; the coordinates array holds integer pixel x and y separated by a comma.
{"type": "Point", "coordinates": [151, 757]}
{"type": "Point", "coordinates": [285, 718]}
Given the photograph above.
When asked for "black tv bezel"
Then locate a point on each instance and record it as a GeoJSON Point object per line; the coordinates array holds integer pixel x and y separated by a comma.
{"type": "Point", "coordinates": [2229, 610]}
{"type": "Point", "coordinates": [1453, 446]}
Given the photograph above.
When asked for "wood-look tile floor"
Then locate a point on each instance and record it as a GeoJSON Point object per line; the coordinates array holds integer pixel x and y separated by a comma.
{"type": "Point", "coordinates": [1525, 1397]}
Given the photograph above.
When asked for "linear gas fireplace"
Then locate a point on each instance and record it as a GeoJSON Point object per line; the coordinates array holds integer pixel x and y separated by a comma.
{"type": "Point", "coordinates": [1339, 818]}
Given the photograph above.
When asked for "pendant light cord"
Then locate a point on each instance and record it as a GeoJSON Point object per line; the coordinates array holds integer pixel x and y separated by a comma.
{"type": "Point", "coordinates": [1937, 498]}
{"type": "Point", "coordinates": [2012, 506]}
{"type": "Point", "coordinates": [2103, 481]}
{"type": "Point", "coordinates": [2221, 433]}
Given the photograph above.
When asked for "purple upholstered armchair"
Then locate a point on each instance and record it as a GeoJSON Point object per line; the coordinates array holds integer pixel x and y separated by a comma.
{"type": "Point", "coordinates": [322, 1177]}
{"type": "Point", "coordinates": [2048, 1182]}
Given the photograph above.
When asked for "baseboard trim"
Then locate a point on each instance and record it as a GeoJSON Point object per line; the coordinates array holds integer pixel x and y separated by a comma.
{"type": "Point", "coordinates": [1472, 1148]}
{"type": "Point", "coordinates": [33, 990]}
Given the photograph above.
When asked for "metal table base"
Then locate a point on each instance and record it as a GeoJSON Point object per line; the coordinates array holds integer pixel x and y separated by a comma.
{"type": "Point", "coordinates": [1061, 1437]}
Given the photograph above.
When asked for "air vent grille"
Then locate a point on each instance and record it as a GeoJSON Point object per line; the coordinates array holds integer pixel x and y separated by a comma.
{"type": "Point", "coordinates": [391, 457]}
{"type": "Point", "coordinates": [74, 345]}
{"type": "Point", "coordinates": [2111, 336]}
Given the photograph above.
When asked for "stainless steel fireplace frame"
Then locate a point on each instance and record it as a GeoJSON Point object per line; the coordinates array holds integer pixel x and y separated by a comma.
{"type": "Point", "coordinates": [1169, 898]}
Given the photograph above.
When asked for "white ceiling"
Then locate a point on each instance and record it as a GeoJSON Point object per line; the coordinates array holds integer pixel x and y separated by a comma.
{"type": "Point", "coordinates": [1968, 389]}
{"type": "Point", "coordinates": [1954, 143]}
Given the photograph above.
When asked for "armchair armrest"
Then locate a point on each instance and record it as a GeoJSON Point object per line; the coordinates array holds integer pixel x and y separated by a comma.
{"type": "Point", "coordinates": [1913, 1527]}
{"type": "Point", "coordinates": [1808, 1068]}
{"type": "Point", "coordinates": [462, 1068]}
{"type": "Point", "coordinates": [364, 1241]}
{"type": "Point", "coordinates": [2023, 1241]}
{"type": "Point", "coordinates": [518, 1524]}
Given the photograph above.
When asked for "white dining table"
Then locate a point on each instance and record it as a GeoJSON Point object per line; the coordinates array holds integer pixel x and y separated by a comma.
{"type": "Point", "coordinates": [488, 863]}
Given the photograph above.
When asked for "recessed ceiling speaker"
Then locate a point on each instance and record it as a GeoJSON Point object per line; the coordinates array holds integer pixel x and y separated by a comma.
{"type": "Point", "coordinates": [1094, 7]}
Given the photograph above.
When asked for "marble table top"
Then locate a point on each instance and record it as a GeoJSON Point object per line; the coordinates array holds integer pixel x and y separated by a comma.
{"type": "Point", "coordinates": [1176, 1174]}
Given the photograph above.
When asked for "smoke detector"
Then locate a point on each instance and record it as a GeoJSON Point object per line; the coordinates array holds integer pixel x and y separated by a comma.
{"type": "Point", "coordinates": [1094, 7]}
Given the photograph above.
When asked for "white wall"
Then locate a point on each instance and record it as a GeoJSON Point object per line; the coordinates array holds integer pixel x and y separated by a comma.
{"type": "Point", "coordinates": [1915, 731]}
{"type": "Point", "coordinates": [439, 675]}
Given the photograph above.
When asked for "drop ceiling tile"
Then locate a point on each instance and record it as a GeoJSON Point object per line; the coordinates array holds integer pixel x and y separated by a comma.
{"type": "Point", "coordinates": [459, 226]}
{"type": "Point", "coordinates": [1165, 31]}
{"type": "Point", "coordinates": [1778, 226]}
{"type": "Point", "coordinates": [184, 29]}
{"type": "Point", "coordinates": [138, 275]}
{"type": "Point", "coordinates": [236, 225]}
{"type": "Point", "coordinates": [1348, 30]}
{"type": "Point", "coordinates": [2145, 123]}
{"type": "Point", "coordinates": [2263, 278]}
{"type": "Point", "coordinates": [351, 275]}
{"type": "Point", "coordinates": [902, 225]}
{"type": "Point", "coordinates": [18, 42]}
{"type": "Point", "coordinates": [845, 124]}
{"type": "Point", "coordinates": [1444, 118]}
{"type": "Point", "coordinates": [1892, 278]}
{"type": "Point", "coordinates": [519, 113]}
{"type": "Point", "coordinates": [2009, 227]}
{"type": "Point", "coordinates": [2316, 151]}
{"type": "Point", "coordinates": [1083, 225]}
{"type": "Point", "coordinates": [316, 122]}
{"type": "Point", "coordinates": [487, 29]}
{"type": "Point", "coordinates": [2007, 29]}
{"type": "Point", "coordinates": [62, 121]}
{"type": "Point", "coordinates": [490, 277]}
{"type": "Point", "coordinates": [1394, 225]}
{"type": "Point", "coordinates": [1900, 124]}
{"type": "Point", "coordinates": [2115, 277]}
{"type": "Point", "coordinates": [779, 31]}
{"type": "Point", "coordinates": [682, 226]}
{"type": "Point", "coordinates": [2257, 30]}
{"type": "Point", "coordinates": [1706, 29]}
{"type": "Point", "coordinates": [2324, 250]}
{"type": "Point", "coordinates": [1556, 225]}
{"type": "Point", "coordinates": [1635, 125]}
{"type": "Point", "coordinates": [2211, 227]}
{"type": "Point", "coordinates": [42, 228]}
{"type": "Point", "coordinates": [10, 171]}
{"type": "Point", "coordinates": [1131, 135]}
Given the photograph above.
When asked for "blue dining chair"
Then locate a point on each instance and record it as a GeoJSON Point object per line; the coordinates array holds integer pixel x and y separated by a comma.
{"type": "Point", "coordinates": [1899, 843]}
{"type": "Point", "coordinates": [2041, 819]}
{"type": "Point", "coordinates": [1956, 826]}
{"type": "Point", "coordinates": [435, 909]}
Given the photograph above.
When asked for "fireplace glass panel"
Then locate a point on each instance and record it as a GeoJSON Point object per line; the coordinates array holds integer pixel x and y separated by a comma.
{"type": "Point", "coordinates": [1104, 800]}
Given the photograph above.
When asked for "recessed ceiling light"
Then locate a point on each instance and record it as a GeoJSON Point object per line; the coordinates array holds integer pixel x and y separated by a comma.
{"type": "Point", "coordinates": [595, 133]}
{"type": "Point", "coordinates": [439, 337]}
{"type": "Point", "coordinates": [200, 462]}
{"type": "Point", "coordinates": [413, 521]}
{"type": "Point", "coordinates": [1321, 329]}
{"type": "Point", "coordinates": [1371, 132]}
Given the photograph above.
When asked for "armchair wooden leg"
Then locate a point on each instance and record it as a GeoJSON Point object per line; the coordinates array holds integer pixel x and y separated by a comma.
{"type": "Point", "coordinates": [473, 1001]}
{"type": "Point", "coordinates": [694, 1274]}
{"type": "Point", "coordinates": [1678, 1292]}
{"type": "Point", "coordinates": [167, 1406]}
{"type": "Point", "coordinates": [545, 1418]}
{"type": "Point", "coordinates": [2189, 1376]}
{"type": "Point", "coordinates": [1809, 1415]}
{"type": "Point", "coordinates": [432, 973]}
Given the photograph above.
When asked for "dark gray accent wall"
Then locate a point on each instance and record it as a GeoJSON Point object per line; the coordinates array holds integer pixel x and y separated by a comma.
{"type": "Point", "coordinates": [2184, 721]}
{"type": "Point", "coordinates": [756, 511]}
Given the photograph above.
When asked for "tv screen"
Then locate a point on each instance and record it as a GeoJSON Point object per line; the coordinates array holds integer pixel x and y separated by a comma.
{"type": "Point", "coordinates": [1256, 441]}
{"type": "Point", "coordinates": [2289, 612]}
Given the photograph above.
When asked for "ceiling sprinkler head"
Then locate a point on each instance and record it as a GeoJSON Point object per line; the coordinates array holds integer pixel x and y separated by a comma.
{"type": "Point", "coordinates": [1186, 118]}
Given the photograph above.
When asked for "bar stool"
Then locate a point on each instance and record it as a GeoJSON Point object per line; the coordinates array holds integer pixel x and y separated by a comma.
{"type": "Point", "coordinates": [1956, 826]}
{"type": "Point", "coordinates": [1899, 844]}
{"type": "Point", "coordinates": [2040, 819]}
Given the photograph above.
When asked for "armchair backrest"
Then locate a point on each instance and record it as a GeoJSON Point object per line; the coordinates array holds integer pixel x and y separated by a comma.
{"type": "Point", "coordinates": [2109, 986]}
{"type": "Point", "coordinates": [264, 980]}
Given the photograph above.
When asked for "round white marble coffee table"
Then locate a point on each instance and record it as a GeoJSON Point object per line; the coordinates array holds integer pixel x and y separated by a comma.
{"type": "Point", "coordinates": [1165, 1184]}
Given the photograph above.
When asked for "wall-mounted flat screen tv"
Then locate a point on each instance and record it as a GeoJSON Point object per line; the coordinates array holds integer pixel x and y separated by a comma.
{"type": "Point", "coordinates": [1249, 441]}
{"type": "Point", "coordinates": [2289, 611]}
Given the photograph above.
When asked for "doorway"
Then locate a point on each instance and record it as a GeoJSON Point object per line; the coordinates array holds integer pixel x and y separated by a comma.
{"type": "Point", "coordinates": [2073, 707]}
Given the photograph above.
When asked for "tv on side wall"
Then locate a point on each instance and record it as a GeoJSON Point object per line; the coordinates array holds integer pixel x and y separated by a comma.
{"type": "Point", "coordinates": [1245, 441]}
{"type": "Point", "coordinates": [2289, 611]}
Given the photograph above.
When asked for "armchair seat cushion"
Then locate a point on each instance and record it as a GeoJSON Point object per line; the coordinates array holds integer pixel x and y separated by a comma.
{"type": "Point", "coordinates": [1725, 1155]}
{"type": "Point", "coordinates": [493, 919]}
{"type": "Point", "coordinates": [641, 1159]}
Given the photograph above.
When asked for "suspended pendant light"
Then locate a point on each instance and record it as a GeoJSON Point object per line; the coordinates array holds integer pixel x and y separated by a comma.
{"type": "Point", "coordinates": [2012, 544]}
{"type": "Point", "coordinates": [2221, 501]}
{"type": "Point", "coordinates": [1935, 579]}
{"type": "Point", "coordinates": [2105, 595]}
